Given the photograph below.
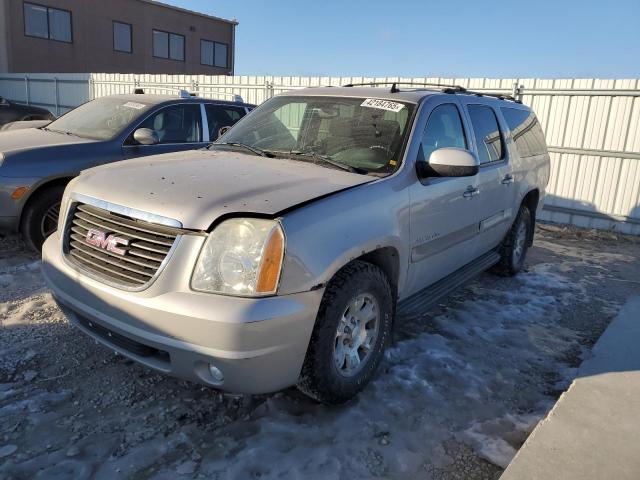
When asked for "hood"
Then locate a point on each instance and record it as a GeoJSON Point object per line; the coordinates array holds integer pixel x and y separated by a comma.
{"type": "Point", "coordinates": [197, 187]}
{"type": "Point", "coordinates": [32, 138]}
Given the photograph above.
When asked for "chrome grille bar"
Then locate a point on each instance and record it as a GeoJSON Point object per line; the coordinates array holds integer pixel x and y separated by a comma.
{"type": "Point", "coordinates": [145, 245]}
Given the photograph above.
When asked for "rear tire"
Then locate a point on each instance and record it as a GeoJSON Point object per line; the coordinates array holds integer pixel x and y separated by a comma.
{"type": "Point", "coordinates": [352, 330]}
{"type": "Point", "coordinates": [515, 245]}
{"type": "Point", "coordinates": [40, 216]}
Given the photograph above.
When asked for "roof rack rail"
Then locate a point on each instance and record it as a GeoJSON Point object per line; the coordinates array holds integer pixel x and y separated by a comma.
{"type": "Point", "coordinates": [183, 93]}
{"type": "Point", "coordinates": [501, 96]}
{"type": "Point", "coordinates": [394, 85]}
{"type": "Point", "coordinates": [443, 87]}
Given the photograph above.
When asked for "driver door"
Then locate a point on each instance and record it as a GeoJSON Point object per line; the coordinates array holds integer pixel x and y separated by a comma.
{"type": "Point", "coordinates": [179, 127]}
{"type": "Point", "coordinates": [444, 211]}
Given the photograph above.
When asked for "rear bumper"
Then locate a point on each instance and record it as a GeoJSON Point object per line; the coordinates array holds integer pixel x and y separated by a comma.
{"type": "Point", "coordinates": [258, 344]}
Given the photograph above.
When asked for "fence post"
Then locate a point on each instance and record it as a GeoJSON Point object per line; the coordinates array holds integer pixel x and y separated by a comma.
{"type": "Point", "coordinates": [268, 89]}
{"type": "Point", "coordinates": [26, 88]}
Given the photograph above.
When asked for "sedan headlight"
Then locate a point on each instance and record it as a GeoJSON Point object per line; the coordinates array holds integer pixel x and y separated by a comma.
{"type": "Point", "coordinates": [242, 256]}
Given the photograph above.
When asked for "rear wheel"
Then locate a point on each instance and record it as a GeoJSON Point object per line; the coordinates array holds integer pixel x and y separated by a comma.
{"type": "Point", "coordinates": [351, 333]}
{"type": "Point", "coordinates": [40, 216]}
{"type": "Point", "coordinates": [515, 245]}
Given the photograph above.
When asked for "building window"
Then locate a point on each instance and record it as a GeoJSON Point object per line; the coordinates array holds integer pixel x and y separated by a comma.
{"type": "Point", "coordinates": [168, 45]}
{"type": "Point", "coordinates": [214, 54]}
{"type": "Point", "coordinates": [49, 23]}
{"type": "Point", "coordinates": [122, 37]}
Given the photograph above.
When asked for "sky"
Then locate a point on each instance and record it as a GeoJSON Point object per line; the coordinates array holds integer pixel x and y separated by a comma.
{"type": "Point", "coordinates": [454, 38]}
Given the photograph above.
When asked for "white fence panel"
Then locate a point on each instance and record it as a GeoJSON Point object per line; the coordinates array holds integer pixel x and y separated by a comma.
{"type": "Point", "coordinates": [592, 126]}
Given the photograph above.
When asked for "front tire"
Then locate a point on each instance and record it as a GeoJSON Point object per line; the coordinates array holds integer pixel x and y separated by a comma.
{"type": "Point", "coordinates": [352, 330]}
{"type": "Point", "coordinates": [515, 245]}
{"type": "Point", "coordinates": [40, 217]}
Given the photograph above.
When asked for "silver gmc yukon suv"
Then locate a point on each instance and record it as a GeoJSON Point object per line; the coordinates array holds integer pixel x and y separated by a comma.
{"type": "Point", "coordinates": [282, 253]}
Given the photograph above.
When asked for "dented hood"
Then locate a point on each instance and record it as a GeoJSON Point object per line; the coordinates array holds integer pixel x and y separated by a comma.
{"type": "Point", "coordinates": [198, 186]}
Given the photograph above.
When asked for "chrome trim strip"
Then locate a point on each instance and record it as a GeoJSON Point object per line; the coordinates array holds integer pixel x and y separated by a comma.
{"type": "Point", "coordinates": [205, 124]}
{"type": "Point", "coordinates": [127, 211]}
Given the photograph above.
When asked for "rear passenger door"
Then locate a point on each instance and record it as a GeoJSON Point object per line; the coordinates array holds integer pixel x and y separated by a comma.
{"type": "Point", "coordinates": [218, 116]}
{"type": "Point", "coordinates": [497, 197]}
{"type": "Point", "coordinates": [179, 127]}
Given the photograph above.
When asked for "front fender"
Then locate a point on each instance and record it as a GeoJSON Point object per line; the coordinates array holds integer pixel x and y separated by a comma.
{"type": "Point", "coordinates": [325, 235]}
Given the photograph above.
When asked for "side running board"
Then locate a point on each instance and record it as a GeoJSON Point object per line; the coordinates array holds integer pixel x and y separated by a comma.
{"type": "Point", "coordinates": [426, 299]}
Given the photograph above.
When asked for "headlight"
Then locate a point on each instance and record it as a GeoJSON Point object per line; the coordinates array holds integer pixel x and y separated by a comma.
{"type": "Point", "coordinates": [1, 158]}
{"type": "Point", "coordinates": [242, 256]}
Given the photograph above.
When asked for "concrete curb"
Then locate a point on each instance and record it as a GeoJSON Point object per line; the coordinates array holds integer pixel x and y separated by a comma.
{"type": "Point", "coordinates": [593, 431]}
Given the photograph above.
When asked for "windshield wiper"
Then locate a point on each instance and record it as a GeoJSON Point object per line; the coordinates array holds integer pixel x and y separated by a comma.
{"type": "Point", "coordinates": [257, 151]}
{"type": "Point", "coordinates": [330, 161]}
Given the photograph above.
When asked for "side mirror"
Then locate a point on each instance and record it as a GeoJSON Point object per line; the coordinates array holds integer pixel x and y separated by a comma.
{"type": "Point", "coordinates": [448, 162]}
{"type": "Point", "coordinates": [223, 130]}
{"type": "Point", "coordinates": [4, 102]}
{"type": "Point", "coordinates": [146, 136]}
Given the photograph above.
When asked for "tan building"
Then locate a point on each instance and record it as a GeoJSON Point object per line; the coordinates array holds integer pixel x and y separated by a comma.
{"type": "Point", "coordinates": [112, 36]}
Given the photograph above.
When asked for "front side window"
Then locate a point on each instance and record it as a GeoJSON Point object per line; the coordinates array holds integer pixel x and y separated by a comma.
{"type": "Point", "coordinates": [168, 45]}
{"type": "Point", "coordinates": [362, 133]}
{"type": "Point", "coordinates": [219, 116]}
{"type": "Point", "coordinates": [176, 124]}
{"type": "Point", "coordinates": [213, 54]}
{"type": "Point", "coordinates": [122, 41]}
{"type": "Point", "coordinates": [45, 22]}
{"type": "Point", "coordinates": [487, 133]}
{"type": "Point", "coordinates": [444, 129]}
{"type": "Point", "coordinates": [100, 119]}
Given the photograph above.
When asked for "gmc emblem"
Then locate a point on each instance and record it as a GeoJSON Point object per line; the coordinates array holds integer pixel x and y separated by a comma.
{"type": "Point", "coordinates": [99, 239]}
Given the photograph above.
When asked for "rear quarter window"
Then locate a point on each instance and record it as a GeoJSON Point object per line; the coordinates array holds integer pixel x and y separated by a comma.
{"type": "Point", "coordinates": [525, 131]}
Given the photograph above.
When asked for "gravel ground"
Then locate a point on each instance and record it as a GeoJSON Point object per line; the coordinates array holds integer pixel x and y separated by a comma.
{"type": "Point", "coordinates": [459, 392]}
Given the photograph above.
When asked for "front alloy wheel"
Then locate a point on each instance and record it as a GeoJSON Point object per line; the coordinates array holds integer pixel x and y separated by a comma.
{"type": "Point", "coordinates": [352, 330]}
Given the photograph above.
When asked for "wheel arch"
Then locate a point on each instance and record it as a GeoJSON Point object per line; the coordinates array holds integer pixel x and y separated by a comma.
{"type": "Point", "coordinates": [531, 200]}
{"type": "Point", "coordinates": [39, 188]}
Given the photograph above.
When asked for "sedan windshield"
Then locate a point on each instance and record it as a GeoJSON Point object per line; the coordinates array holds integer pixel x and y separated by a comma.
{"type": "Point", "coordinates": [363, 135]}
{"type": "Point", "coordinates": [100, 119]}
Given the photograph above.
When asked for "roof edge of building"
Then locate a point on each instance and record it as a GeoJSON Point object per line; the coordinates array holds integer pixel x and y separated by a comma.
{"type": "Point", "coordinates": [185, 10]}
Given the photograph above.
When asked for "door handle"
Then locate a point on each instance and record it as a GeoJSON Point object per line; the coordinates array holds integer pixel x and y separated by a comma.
{"type": "Point", "coordinates": [507, 179]}
{"type": "Point", "coordinates": [471, 192]}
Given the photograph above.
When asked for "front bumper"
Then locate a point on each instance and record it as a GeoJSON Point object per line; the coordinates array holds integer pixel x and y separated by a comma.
{"type": "Point", "coordinates": [258, 344]}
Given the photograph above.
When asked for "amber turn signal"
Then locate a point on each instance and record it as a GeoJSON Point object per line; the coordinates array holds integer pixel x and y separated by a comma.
{"type": "Point", "coordinates": [271, 263]}
{"type": "Point", "coordinates": [19, 192]}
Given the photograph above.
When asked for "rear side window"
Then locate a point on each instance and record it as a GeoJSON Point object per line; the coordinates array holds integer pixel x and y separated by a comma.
{"type": "Point", "coordinates": [525, 131]}
{"type": "Point", "coordinates": [219, 116]}
{"type": "Point", "coordinates": [444, 129]}
{"type": "Point", "coordinates": [487, 133]}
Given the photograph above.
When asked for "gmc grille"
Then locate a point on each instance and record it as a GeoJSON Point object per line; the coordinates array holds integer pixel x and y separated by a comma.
{"type": "Point", "coordinates": [148, 246]}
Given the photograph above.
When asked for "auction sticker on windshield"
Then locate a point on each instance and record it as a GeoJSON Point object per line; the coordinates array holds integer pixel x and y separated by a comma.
{"type": "Point", "coordinates": [136, 105]}
{"type": "Point", "coordinates": [382, 104]}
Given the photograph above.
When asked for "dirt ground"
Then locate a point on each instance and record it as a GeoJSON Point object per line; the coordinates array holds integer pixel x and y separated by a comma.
{"type": "Point", "coordinates": [459, 391]}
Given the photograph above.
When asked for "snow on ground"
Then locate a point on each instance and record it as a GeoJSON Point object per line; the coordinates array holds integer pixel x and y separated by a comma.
{"type": "Point", "coordinates": [460, 390]}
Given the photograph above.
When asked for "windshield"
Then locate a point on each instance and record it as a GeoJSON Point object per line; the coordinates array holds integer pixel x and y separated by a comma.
{"type": "Point", "coordinates": [100, 119]}
{"type": "Point", "coordinates": [361, 133]}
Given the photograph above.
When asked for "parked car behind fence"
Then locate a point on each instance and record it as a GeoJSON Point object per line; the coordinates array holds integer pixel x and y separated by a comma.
{"type": "Point", "coordinates": [37, 163]}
